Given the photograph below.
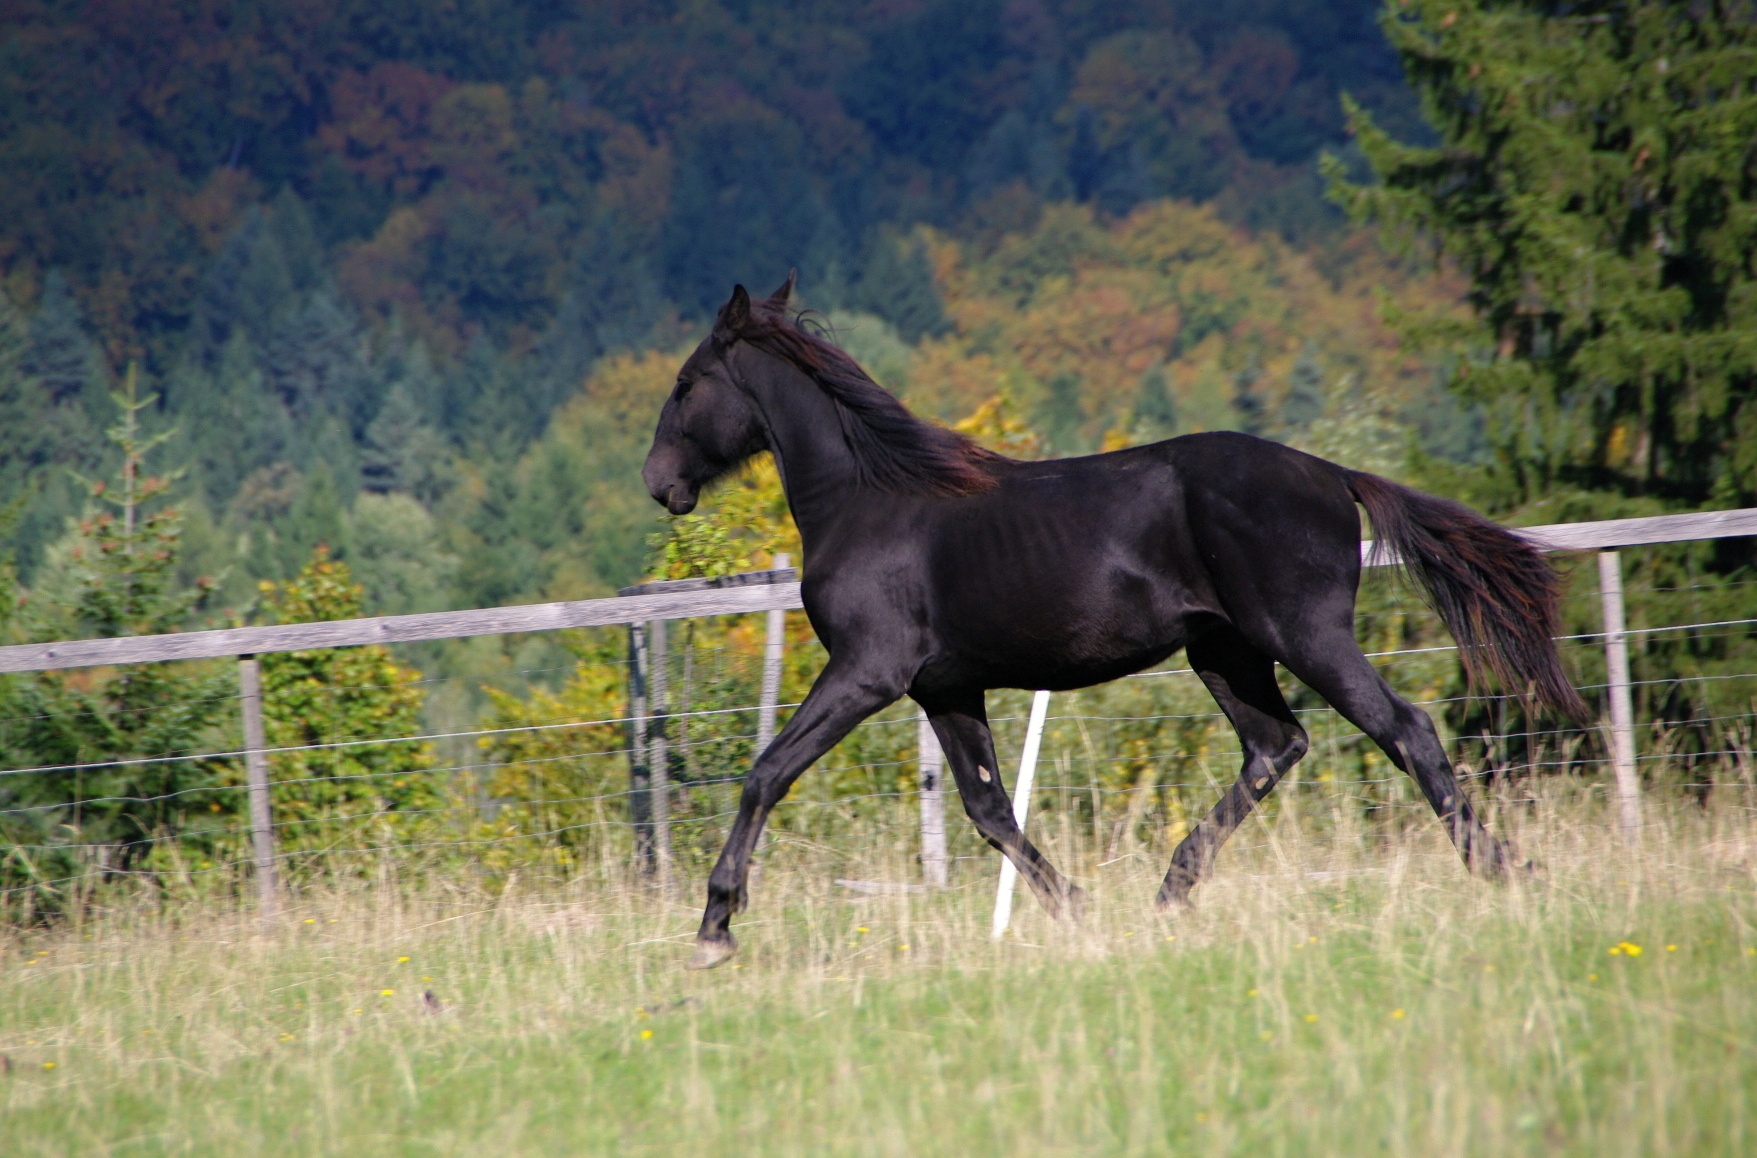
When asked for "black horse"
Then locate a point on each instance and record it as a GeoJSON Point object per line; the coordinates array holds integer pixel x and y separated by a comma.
{"type": "Point", "coordinates": [938, 570]}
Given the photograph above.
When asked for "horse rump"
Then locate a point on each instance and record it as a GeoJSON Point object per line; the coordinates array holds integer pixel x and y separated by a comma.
{"type": "Point", "coordinates": [1495, 591]}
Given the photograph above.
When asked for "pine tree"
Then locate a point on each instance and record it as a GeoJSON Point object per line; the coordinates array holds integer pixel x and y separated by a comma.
{"type": "Point", "coordinates": [116, 574]}
{"type": "Point", "coordinates": [60, 356]}
{"type": "Point", "coordinates": [1247, 399]}
{"type": "Point", "coordinates": [896, 283]}
{"type": "Point", "coordinates": [1304, 403]}
{"type": "Point", "coordinates": [1594, 182]}
{"type": "Point", "coordinates": [403, 453]}
{"type": "Point", "coordinates": [1155, 416]}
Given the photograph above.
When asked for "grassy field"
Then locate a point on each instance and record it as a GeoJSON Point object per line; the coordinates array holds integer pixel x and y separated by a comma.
{"type": "Point", "coordinates": [1332, 994]}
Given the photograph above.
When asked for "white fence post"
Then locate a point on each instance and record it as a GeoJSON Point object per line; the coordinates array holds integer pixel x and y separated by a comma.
{"type": "Point", "coordinates": [773, 650]}
{"type": "Point", "coordinates": [659, 751]}
{"type": "Point", "coordinates": [1616, 655]}
{"type": "Point", "coordinates": [262, 831]}
{"type": "Point", "coordinates": [1003, 897]}
{"type": "Point", "coordinates": [933, 803]}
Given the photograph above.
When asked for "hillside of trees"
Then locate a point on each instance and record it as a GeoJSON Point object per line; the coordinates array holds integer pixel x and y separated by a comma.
{"type": "Point", "coordinates": [362, 252]}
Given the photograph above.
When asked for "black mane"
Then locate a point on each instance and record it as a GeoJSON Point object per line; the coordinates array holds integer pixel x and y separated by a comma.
{"type": "Point", "coordinates": [895, 450]}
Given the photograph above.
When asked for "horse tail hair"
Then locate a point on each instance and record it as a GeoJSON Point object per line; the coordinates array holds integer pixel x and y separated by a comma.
{"type": "Point", "coordinates": [1495, 591]}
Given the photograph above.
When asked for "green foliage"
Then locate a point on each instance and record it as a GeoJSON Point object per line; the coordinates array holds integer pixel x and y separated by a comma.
{"type": "Point", "coordinates": [331, 793]}
{"type": "Point", "coordinates": [1594, 183]}
{"type": "Point", "coordinates": [117, 797]}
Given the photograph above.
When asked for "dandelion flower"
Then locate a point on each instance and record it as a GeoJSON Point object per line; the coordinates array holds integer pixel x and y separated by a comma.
{"type": "Point", "coordinates": [1311, 1017]}
{"type": "Point", "coordinates": [387, 993]}
{"type": "Point", "coordinates": [1631, 948]}
{"type": "Point", "coordinates": [1671, 948]}
{"type": "Point", "coordinates": [402, 960]}
{"type": "Point", "coordinates": [1397, 1015]}
{"type": "Point", "coordinates": [424, 977]}
{"type": "Point", "coordinates": [48, 1065]}
{"type": "Point", "coordinates": [902, 948]}
{"type": "Point", "coordinates": [1252, 993]}
{"type": "Point", "coordinates": [1592, 977]}
{"type": "Point", "coordinates": [861, 929]}
{"type": "Point", "coordinates": [646, 1035]}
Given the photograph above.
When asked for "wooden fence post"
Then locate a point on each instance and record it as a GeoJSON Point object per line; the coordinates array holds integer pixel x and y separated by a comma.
{"type": "Point", "coordinates": [933, 804]}
{"type": "Point", "coordinates": [659, 751]}
{"type": "Point", "coordinates": [640, 773]}
{"type": "Point", "coordinates": [262, 831]}
{"type": "Point", "coordinates": [1616, 655]}
{"type": "Point", "coordinates": [773, 649]}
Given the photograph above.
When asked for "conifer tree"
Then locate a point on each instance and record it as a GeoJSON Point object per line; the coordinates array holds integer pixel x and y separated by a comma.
{"type": "Point", "coordinates": [116, 574]}
{"type": "Point", "coordinates": [1594, 180]}
{"type": "Point", "coordinates": [1155, 415]}
{"type": "Point", "coordinates": [60, 356]}
{"type": "Point", "coordinates": [1304, 403]}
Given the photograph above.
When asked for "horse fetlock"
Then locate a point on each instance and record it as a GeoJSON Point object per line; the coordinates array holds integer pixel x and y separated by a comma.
{"type": "Point", "coordinates": [712, 951]}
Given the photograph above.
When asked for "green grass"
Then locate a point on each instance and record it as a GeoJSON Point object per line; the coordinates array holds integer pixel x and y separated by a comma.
{"type": "Point", "coordinates": [1386, 1004]}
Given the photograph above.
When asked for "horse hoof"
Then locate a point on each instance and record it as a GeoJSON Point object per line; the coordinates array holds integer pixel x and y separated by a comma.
{"type": "Point", "coordinates": [1171, 903]}
{"type": "Point", "coordinates": [709, 954]}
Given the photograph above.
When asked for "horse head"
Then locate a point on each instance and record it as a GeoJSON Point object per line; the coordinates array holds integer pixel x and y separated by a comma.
{"type": "Point", "coordinates": [709, 425]}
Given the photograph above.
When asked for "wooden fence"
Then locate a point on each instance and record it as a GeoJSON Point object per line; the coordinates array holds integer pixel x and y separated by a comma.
{"type": "Point", "coordinates": [646, 609]}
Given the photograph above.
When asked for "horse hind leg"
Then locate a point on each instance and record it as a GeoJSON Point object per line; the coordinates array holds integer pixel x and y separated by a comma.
{"type": "Point", "coordinates": [969, 747]}
{"type": "Point", "coordinates": [1242, 681]}
{"type": "Point", "coordinates": [1331, 664]}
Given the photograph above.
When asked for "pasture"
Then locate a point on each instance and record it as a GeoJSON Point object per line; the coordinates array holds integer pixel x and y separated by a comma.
{"type": "Point", "coordinates": [1338, 990]}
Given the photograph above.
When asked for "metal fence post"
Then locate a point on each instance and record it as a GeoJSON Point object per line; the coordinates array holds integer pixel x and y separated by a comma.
{"type": "Point", "coordinates": [1616, 655]}
{"type": "Point", "coordinates": [933, 804]}
{"type": "Point", "coordinates": [640, 775]}
{"type": "Point", "coordinates": [262, 832]}
{"type": "Point", "coordinates": [773, 649]}
{"type": "Point", "coordinates": [659, 752]}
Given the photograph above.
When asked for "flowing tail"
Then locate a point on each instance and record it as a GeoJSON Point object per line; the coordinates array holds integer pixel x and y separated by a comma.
{"type": "Point", "coordinates": [1496, 592]}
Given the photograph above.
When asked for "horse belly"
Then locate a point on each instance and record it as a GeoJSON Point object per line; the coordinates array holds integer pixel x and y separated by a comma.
{"type": "Point", "coordinates": [1057, 636]}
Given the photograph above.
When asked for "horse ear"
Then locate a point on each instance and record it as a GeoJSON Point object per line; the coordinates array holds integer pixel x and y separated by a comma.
{"type": "Point", "coordinates": [780, 296]}
{"type": "Point", "coordinates": [734, 315]}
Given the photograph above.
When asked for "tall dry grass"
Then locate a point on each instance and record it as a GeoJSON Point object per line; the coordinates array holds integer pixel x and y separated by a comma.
{"type": "Point", "coordinates": [1342, 988]}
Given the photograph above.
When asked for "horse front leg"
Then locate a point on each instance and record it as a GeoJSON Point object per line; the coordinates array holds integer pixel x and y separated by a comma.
{"type": "Point", "coordinates": [964, 735]}
{"type": "Point", "coordinates": [844, 694]}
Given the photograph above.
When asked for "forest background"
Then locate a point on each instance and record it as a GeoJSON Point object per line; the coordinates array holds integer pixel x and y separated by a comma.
{"type": "Point", "coordinates": [403, 286]}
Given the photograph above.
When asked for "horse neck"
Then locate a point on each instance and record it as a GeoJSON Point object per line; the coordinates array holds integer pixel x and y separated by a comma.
{"type": "Point", "coordinates": [818, 471]}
